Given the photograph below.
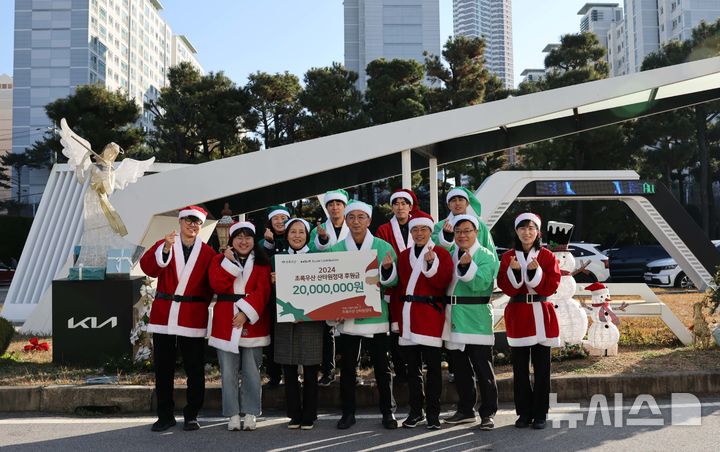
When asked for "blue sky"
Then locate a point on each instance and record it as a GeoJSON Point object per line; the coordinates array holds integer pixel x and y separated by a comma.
{"type": "Point", "coordinates": [243, 36]}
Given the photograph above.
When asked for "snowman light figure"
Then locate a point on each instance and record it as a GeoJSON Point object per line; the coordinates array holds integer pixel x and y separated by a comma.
{"type": "Point", "coordinates": [572, 318]}
{"type": "Point", "coordinates": [603, 333]}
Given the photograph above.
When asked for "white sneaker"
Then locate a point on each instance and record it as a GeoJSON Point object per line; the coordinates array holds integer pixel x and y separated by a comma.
{"type": "Point", "coordinates": [249, 422]}
{"type": "Point", "coordinates": [234, 423]}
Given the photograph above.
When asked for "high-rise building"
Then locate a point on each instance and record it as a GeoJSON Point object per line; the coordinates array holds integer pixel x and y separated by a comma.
{"type": "Point", "coordinates": [6, 86]}
{"type": "Point", "coordinates": [491, 20]}
{"type": "Point", "coordinates": [61, 44]}
{"type": "Point", "coordinates": [642, 31]}
{"type": "Point", "coordinates": [617, 55]}
{"type": "Point", "coordinates": [598, 18]}
{"type": "Point", "coordinates": [677, 18]}
{"type": "Point", "coordinates": [389, 29]}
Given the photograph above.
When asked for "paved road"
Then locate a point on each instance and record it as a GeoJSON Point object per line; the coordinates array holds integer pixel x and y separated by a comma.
{"type": "Point", "coordinates": [53, 433]}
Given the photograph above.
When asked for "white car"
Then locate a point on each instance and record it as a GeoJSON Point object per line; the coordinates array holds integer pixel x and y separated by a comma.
{"type": "Point", "coordinates": [598, 268]}
{"type": "Point", "coordinates": [667, 273]}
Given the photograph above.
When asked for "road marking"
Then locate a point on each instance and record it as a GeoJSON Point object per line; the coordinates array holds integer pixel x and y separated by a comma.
{"type": "Point", "coordinates": [312, 443]}
{"type": "Point", "coordinates": [421, 446]}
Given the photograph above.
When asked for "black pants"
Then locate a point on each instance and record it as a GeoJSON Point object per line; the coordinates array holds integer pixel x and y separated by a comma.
{"type": "Point", "coordinates": [305, 409]}
{"type": "Point", "coordinates": [531, 401]}
{"type": "Point", "coordinates": [328, 351]}
{"type": "Point", "coordinates": [397, 356]}
{"type": "Point", "coordinates": [414, 356]}
{"type": "Point", "coordinates": [474, 366]}
{"type": "Point", "coordinates": [350, 351]}
{"type": "Point", "coordinates": [192, 350]}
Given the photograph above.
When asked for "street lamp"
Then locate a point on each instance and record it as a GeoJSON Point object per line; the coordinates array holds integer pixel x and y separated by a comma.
{"type": "Point", "coordinates": [222, 228]}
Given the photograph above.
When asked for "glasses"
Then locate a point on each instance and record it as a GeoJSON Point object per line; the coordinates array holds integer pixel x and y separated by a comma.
{"type": "Point", "coordinates": [357, 217]}
{"type": "Point", "coordinates": [464, 231]}
{"type": "Point", "coordinates": [190, 221]}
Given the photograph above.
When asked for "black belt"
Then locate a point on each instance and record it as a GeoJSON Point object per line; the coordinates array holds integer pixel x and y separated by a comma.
{"type": "Point", "coordinates": [178, 298]}
{"type": "Point", "coordinates": [230, 297]}
{"type": "Point", "coordinates": [527, 298]}
{"type": "Point", "coordinates": [452, 299]}
{"type": "Point", "coordinates": [435, 302]}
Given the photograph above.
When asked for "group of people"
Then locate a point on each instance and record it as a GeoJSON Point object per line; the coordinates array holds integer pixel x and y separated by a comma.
{"type": "Point", "coordinates": [436, 280]}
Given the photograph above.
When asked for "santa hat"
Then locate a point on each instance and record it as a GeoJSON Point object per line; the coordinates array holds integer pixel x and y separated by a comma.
{"type": "Point", "coordinates": [465, 217]}
{"type": "Point", "coordinates": [358, 205]}
{"type": "Point", "coordinates": [528, 216]}
{"type": "Point", "coordinates": [467, 194]}
{"type": "Point", "coordinates": [336, 195]}
{"type": "Point", "coordinates": [277, 210]}
{"type": "Point", "coordinates": [597, 288]}
{"type": "Point", "coordinates": [193, 211]}
{"type": "Point", "coordinates": [559, 235]}
{"type": "Point", "coordinates": [293, 220]}
{"type": "Point", "coordinates": [420, 218]}
{"type": "Point", "coordinates": [242, 225]}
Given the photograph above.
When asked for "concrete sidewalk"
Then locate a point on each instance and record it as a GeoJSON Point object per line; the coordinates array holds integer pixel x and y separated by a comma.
{"type": "Point", "coordinates": [140, 399]}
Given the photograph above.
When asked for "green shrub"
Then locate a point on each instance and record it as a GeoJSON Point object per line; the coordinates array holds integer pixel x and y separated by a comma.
{"type": "Point", "coordinates": [7, 331]}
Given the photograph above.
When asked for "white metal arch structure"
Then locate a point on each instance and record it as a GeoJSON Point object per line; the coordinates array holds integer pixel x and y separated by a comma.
{"type": "Point", "coordinates": [658, 210]}
{"type": "Point", "coordinates": [304, 169]}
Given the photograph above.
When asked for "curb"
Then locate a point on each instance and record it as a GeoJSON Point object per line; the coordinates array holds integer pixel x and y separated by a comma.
{"type": "Point", "coordinates": [140, 399]}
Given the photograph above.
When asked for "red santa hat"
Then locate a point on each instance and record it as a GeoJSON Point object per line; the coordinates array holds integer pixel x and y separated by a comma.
{"type": "Point", "coordinates": [597, 288]}
{"type": "Point", "coordinates": [420, 218]}
{"type": "Point", "coordinates": [528, 216]}
{"type": "Point", "coordinates": [193, 211]}
{"type": "Point", "coordinates": [240, 225]}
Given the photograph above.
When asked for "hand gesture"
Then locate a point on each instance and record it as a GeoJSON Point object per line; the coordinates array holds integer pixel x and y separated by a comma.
{"type": "Point", "coordinates": [239, 320]}
{"type": "Point", "coordinates": [430, 255]}
{"type": "Point", "coordinates": [387, 261]}
{"type": "Point", "coordinates": [229, 255]}
{"type": "Point", "coordinates": [322, 232]}
{"type": "Point", "coordinates": [268, 236]}
{"type": "Point", "coordinates": [465, 259]}
{"type": "Point", "coordinates": [533, 265]}
{"type": "Point", "coordinates": [447, 227]}
{"type": "Point", "coordinates": [169, 241]}
{"type": "Point", "coordinates": [272, 277]}
{"type": "Point", "coordinates": [514, 264]}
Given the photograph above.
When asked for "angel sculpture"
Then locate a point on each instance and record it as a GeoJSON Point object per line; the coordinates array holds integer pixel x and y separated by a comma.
{"type": "Point", "coordinates": [103, 228]}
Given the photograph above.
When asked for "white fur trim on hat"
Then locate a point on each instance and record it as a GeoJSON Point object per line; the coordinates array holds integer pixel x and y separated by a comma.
{"type": "Point", "coordinates": [192, 213]}
{"type": "Point", "coordinates": [335, 196]}
{"type": "Point", "coordinates": [528, 216]}
{"type": "Point", "coordinates": [292, 220]}
{"type": "Point", "coordinates": [358, 205]}
{"type": "Point", "coordinates": [464, 217]}
{"type": "Point", "coordinates": [240, 225]}
{"type": "Point", "coordinates": [421, 221]}
{"type": "Point", "coordinates": [401, 194]}
{"type": "Point", "coordinates": [278, 212]}
{"type": "Point", "coordinates": [456, 192]}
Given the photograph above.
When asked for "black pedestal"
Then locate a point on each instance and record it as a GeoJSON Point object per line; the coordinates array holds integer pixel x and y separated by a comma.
{"type": "Point", "coordinates": [92, 320]}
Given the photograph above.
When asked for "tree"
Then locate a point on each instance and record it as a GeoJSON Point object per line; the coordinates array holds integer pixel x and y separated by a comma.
{"type": "Point", "coordinates": [395, 90]}
{"type": "Point", "coordinates": [332, 101]}
{"type": "Point", "coordinates": [580, 58]}
{"type": "Point", "coordinates": [275, 100]}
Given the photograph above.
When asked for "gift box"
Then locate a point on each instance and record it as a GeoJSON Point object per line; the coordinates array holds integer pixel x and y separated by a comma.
{"type": "Point", "coordinates": [119, 263]}
{"type": "Point", "coordinates": [86, 273]}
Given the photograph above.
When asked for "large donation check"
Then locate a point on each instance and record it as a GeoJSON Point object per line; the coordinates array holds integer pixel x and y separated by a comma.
{"type": "Point", "coordinates": [327, 286]}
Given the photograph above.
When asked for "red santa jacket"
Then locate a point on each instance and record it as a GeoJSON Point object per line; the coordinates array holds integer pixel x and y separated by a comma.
{"type": "Point", "coordinates": [186, 281]}
{"type": "Point", "coordinates": [422, 323]}
{"type": "Point", "coordinates": [253, 282]}
{"type": "Point", "coordinates": [530, 323]}
{"type": "Point", "coordinates": [390, 232]}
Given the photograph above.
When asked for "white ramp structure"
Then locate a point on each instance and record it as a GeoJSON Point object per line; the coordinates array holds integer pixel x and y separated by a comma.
{"type": "Point", "coordinates": [253, 181]}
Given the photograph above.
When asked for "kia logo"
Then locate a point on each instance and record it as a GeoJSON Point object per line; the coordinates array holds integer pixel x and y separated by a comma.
{"type": "Point", "coordinates": [91, 323]}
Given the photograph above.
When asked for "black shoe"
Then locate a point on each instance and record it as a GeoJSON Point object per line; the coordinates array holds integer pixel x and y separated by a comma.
{"type": "Point", "coordinates": [307, 425]}
{"type": "Point", "coordinates": [389, 421]}
{"type": "Point", "coordinates": [433, 424]}
{"type": "Point", "coordinates": [487, 423]}
{"type": "Point", "coordinates": [326, 380]}
{"type": "Point", "coordinates": [523, 422]}
{"type": "Point", "coordinates": [346, 422]}
{"type": "Point", "coordinates": [294, 424]}
{"type": "Point", "coordinates": [191, 425]}
{"type": "Point", "coordinates": [539, 424]}
{"type": "Point", "coordinates": [460, 418]}
{"type": "Point", "coordinates": [273, 383]}
{"type": "Point", "coordinates": [163, 424]}
{"type": "Point", "coordinates": [413, 421]}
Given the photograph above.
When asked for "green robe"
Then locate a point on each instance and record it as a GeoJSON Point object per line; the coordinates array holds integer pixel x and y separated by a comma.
{"type": "Point", "coordinates": [484, 237]}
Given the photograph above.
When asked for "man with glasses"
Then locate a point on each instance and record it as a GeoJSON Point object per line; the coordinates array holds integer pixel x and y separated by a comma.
{"type": "Point", "coordinates": [468, 331]}
{"type": "Point", "coordinates": [179, 314]}
{"type": "Point", "coordinates": [372, 331]}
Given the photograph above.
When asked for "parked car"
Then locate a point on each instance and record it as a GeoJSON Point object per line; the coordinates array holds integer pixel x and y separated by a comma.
{"type": "Point", "coordinates": [6, 275]}
{"type": "Point", "coordinates": [598, 264]}
{"type": "Point", "coordinates": [627, 264]}
{"type": "Point", "coordinates": [667, 273]}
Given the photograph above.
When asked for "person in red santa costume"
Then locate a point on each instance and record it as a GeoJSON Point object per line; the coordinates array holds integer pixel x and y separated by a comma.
{"type": "Point", "coordinates": [528, 275]}
{"type": "Point", "coordinates": [424, 273]}
{"type": "Point", "coordinates": [179, 314]}
{"type": "Point", "coordinates": [240, 322]}
{"type": "Point", "coordinates": [396, 232]}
